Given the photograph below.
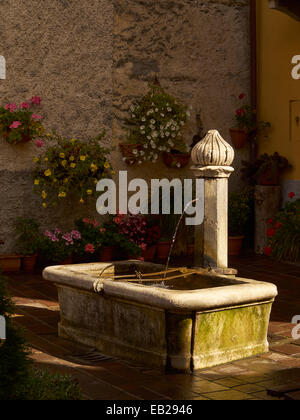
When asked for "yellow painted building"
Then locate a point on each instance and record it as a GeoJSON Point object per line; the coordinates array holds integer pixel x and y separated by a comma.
{"type": "Point", "coordinates": [278, 42]}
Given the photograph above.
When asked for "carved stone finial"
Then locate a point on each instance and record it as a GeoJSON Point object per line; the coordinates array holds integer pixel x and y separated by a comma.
{"type": "Point", "coordinates": [213, 150]}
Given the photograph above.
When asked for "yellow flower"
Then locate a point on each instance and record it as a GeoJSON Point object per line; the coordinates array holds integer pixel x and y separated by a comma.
{"type": "Point", "coordinates": [82, 158]}
{"type": "Point", "coordinates": [106, 165]}
{"type": "Point", "coordinates": [47, 172]}
{"type": "Point", "coordinates": [46, 159]}
{"type": "Point", "coordinates": [64, 162]}
{"type": "Point", "coordinates": [54, 180]}
{"type": "Point", "coordinates": [62, 195]}
{"type": "Point", "coordinates": [44, 205]}
{"type": "Point", "coordinates": [113, 172]}
{"type": "Point", "coordinates": [73, 141]}
{"type": "Point", "coordinates": [89, 192]}
{"type": "Point", "coordinates": [48, 135]}
{"type": "Point", "coordinates": [36, 160]}
{"type": "Point", "coordinates": [36, 182]}
{"type": "Point", "coordinates": [72, 158]}
{"type": "Point", "coordinates": [73, 165]}
{"type": "Point", "coordinates": [66, 180]}
{"type": "Point", "coordinates": [81, 201]}
{"type": "Point", "coordinates": [94, 167]}
{"type": "Point", "coordinates": [44, 194]}
{"type": "Point", "coordinates": [96, 181]}
{"type": "Point", "coordinates": [62, 155]}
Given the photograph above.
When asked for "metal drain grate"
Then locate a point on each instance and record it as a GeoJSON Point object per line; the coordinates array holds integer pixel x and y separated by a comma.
{"type": "Point", "coordinates": [92, 357]}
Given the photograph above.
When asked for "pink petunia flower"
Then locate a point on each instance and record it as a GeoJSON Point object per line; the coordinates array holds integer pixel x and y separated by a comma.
{"type": "Point", "coordinates": [36, 117]}
{"type": "Point", "coordinates": [76, 235]}
{"type": "Point", "coordinates": [15, 124]}
{"type": "Point", "coordinates": [25, 105]}
{"type": "Point", "coordinates": [36, 100]}
{"type": "Point", "coordinates": [39, 143]}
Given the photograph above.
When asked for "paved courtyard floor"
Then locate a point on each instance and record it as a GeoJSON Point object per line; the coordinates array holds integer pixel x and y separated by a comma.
{"type": "Point", "coordinates": [111, 379]}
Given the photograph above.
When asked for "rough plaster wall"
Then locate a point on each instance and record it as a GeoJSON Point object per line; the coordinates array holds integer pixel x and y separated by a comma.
{"type": "Point", "coordinates": [61, 50]}
{"type": "Point", "coordinates": [199, 50]}
{"type": "Point", "coordinates": [89, 59]}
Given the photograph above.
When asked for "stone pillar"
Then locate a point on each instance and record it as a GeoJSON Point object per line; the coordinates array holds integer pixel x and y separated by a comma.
{"type": "Point", "coordinates": [212, 158]}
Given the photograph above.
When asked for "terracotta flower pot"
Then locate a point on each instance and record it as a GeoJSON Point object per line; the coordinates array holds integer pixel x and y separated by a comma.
{"type": "Point", "coordinates": [239, 137]}
{"type": "Point", "coordinates": [176, 160]}
{"type": "Point", "coordinates": [191, 250]}
{"type": "Point", "coordinates": [163, 250]}
{"type": "Point", "coordinates": [106, 254]}
{"type": "Point", "coordinates": [127, 150]}
{"type": "Point", "coordinates": [235, 245]}
{"type": "Point", "coordinates": [10, 263]}
{"type": "Point", "coordinates": [149, 253]}
{"type": "Point", "coordinates": [270, 178]}
{"type": "Point", "coordinates": [28, 263]}
{"type": "Point", "coordinates": [67, 261]}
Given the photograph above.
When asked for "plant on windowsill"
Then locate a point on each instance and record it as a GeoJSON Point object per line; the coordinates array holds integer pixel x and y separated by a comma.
{"type": "Point", "coordinates": [284, 233]}
{"type": "Point", "coordinates": [266, 170]}
{"type": "Point", "coordinates": [239, 216]}
{"type": "Point", "coordinates": [70, 168]}
{"type": "Point", "coordinates": [246, 125]}
{"type": "Point", "coordinates": [20, 124]}
{"type": "Point", "coordinates": [28, 241]}
{"type": "Point", "coordinates": [156, 127]}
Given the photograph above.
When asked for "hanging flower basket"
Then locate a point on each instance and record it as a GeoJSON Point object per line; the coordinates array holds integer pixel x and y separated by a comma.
{"type": "Point", "coordinates": [20, 123]}
{"type": "Point", "coordinates": [176, 160]}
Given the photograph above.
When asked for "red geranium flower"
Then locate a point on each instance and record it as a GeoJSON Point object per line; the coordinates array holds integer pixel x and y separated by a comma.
{"type": "Point", "coordinates": [270, 222]}
{"type": "Point", "coordinates": [271, 232]}
{"type": "Point", "coordinates": [292, 195]}
{"type": "Point", "coordinates": [268, 251]}
{"type": "Point", "coordinates": [242, 96]}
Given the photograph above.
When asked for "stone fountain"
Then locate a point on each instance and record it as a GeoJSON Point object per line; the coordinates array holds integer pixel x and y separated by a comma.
{"type": "Point", "coordinates": [195, 318]}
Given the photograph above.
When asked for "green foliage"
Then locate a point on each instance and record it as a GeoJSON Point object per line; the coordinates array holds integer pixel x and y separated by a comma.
{"type": "Point", "coordinates": [28, 236]}
{"type": "Point", "coordinates": [284, 233]}
{"type": "Point", "coordinates": [70, 167]}
{"type": "Point", "coordinates": [270, 164]}
{"type": "Point", "coordinates": [13, 352]}
{"type": "Point", "coordinates": [239, 213]}
{"type": "Point", "coordinates": [157, 122]}
{"type": "Point", "coordinates": [46, 386]}
{"type": "Point", "coordinates": [246, 119]}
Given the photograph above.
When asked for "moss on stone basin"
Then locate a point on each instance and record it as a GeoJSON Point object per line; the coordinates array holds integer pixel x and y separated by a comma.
{"type": "Point", "coordinates": [217, 320]}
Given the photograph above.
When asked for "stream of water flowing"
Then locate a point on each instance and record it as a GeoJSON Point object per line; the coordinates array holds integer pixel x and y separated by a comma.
{"type": "Point", "coordinates": [176, 233]}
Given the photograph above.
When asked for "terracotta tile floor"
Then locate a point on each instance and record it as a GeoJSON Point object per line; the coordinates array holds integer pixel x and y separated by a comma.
{"type": "Point", "coordinates": [38, 312]}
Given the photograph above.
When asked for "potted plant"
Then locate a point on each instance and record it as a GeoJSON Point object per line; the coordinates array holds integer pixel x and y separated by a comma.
{"type": "Point", "coordinates": [266, 170]}
{"type": "Point", "coordinates": [70, 167]}
{"type": "Point", "coordinates": [57, 247]}
{"type": "Point", "coordinates": [131, 233]}
{"type": "Point", "coordinates": [246, 124]}
{"type": "Point", "coordinates": [156, 127]}
{"type": "Point", "coordinates": [20, 124]}
{"type": "Point", "coordinates": [28, 239]}
{"type": "Point", "coordinates": [284, 232]}
{"type": "Point", "coordinates": [168, 227]}
{"type": "Point", "coordinates": [239, 215]}
{"type": "Point", "coordinates": [89, 247]}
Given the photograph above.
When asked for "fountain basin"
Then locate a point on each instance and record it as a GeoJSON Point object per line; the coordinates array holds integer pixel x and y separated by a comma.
{"type": "Point", "coordinates": [198, 321]}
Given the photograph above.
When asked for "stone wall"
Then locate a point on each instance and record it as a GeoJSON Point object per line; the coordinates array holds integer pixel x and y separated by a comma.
{"type": "Point", "coordinates": [89, 59]}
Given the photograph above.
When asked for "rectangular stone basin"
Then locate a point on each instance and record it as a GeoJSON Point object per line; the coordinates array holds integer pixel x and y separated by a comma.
{"type": "Point", "coordinates": [194, 322]}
